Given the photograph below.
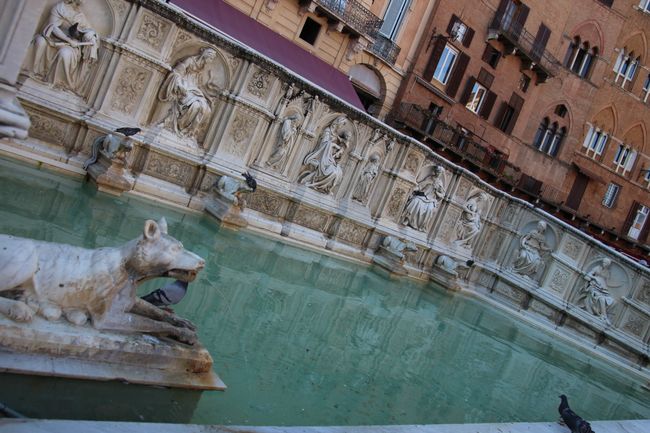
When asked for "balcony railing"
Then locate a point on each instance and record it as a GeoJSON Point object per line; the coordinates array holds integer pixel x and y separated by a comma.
{"type": "Point", "coordinates": [385, 49]}
{"type": "Point", "coordinates": [351, 13]}
{"type": "Point", "coordinates": [525, 45]}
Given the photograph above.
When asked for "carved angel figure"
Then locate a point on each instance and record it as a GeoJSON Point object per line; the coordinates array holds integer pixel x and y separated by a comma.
{"type": "Point", "coordinates": [322, 171]}
{"type": "Point", "coordinates": [533, 247]}
{"type": "Point", "coordinates": [594, 297]}
{"type": "Point", "coordinates": [287, 136]}
{"type": "Point", "coordinates": [424, 200]}
{"type": "Point", "coordinates": [66, 47]}
{"type": "Point", "coordinates": [469, 224]}
{"type": "Point", "coordinates": [369, 174]}
{"type": "Point", "coordinates": [186, 92]}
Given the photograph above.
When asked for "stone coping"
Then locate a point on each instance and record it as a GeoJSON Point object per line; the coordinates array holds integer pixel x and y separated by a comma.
{"type": "Point", "coordinates": [47, 426]}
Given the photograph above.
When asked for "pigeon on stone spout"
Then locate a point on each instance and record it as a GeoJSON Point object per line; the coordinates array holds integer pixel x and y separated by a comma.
{"type": "Point", "coordinates": [571, 419]}
{"type": "Point", "coordinates": [171, 294]}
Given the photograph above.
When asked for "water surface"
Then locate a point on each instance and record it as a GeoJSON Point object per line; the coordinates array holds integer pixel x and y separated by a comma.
{"type": "Point", "coordinates": [302, 338]}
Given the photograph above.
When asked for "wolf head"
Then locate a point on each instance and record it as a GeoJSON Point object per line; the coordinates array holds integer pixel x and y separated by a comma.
{"type": "Point", "coordinates": [157, 254]}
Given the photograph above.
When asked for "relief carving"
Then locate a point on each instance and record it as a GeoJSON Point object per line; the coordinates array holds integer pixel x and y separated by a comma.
{"type": "Point", "coordinates": [533, 249]}
{"type": "Point", "coordinates": [395, 202]}
{"type": "Point", "coordinates": [181, 38]}
{"type": "Point", "coordinates": [572, 248]}
{"type": "Point", "coordinates": [264, 202]}
{"type": "Point", "coordinates": [129, 89]}
{"type": "Point", "coordinates": [286, 138]}
{"type": "Point", "coordinates": [351, 232]}
{"type": "Point", "coordinates": [644, 294]}
{"type": "Point", "coordinates": [169, 169]}
{"type": "Point", "coordinates": [48, 129]}
{"type": "Point", "coordinates": [635, 324]}
{"type": "Point", "coordinates": [241, 130]}
{"type": "Point", "coordinates": [469, 225]}
{"type": "Point", "coordinates": [311, 219]}
{"type": "Point", "coordinates": [259, 84]}
{"type": "Point", "coordinates": [559, 280]}
{"type": "Point", "coordinates": [425, 199]}
{"type": "Point", "coordinates": [187, 91]}
{"type": "Point", "coordinates": [595, 296]}
{"type": "Point", "coordinates": [322, 171]}
{"type": "Point", "coordinates": [412, 163]}
{"type": "Point", "coordinates": [119, 6]}
{"type": "Point", "coordinates": [66, 48]}
{"type": "Point", "coordinates": [152, 31]}
{"type": "Point", "coordinates": [370, 172]}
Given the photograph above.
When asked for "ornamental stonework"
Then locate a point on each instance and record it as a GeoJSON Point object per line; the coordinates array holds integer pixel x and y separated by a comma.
{"type": "Point", "coordinates": [129, 89]}
{"type": "Point", "coordinates": [412, 163]}
{"type": "Point", "coordinates": [262, 201]}
{"type": "Point", "coordinates": [169, 169]}
{"type": "Point", "coordinates": [447, 227]}
{"type": "Point", "coordinates": [48, 129]}
{"type": "Point", "coordinates": [508, 216]}
{"type": "Point", "coordinates": [241, 130]}
{"type": "Point", "coordinates": [643, 294]}
{"type": "Point", "coordinates": [395, 203]}
{"type": "Point", "coordinates": [182, 38]}
{"type": "Point", "coordinates": [635, 324]}
{"type": "Point", "coordinates": [152, 31]}
{"type": "Point", "coordinates": [572, 248]}
{"type": "Point", "coordinates": [311, 218]}
{"type": "Point", "coordinates": [351, 232]}
{"type": "Point", "coordinates": [259, 84]}
{"type": "Point", "coordinates": [559, 280]}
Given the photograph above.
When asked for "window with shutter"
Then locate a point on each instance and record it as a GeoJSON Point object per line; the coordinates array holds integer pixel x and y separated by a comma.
{"type": "Point", "coordinates": [476, 98]}
{"type": "Point", "coordinates": [436, 53]}
{"type": "Point", "coordinates": [610, 195]}
{"type": "Point", "coordinates": [445, 64]}
{"type": "Point", "coordinates": [539, 45]}
{"type": "Point", "coordinates": [638, 220]}
{"type": "Point", "coordinates": [457, 75]}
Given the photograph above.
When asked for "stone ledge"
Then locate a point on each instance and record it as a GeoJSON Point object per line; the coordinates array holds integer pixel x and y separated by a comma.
{"type": "Point", "coordinates": [42, 426]}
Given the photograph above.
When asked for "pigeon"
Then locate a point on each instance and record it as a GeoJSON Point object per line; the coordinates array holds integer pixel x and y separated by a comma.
{"type": "Point", "coordinates": [571, 419]}
{"type": "Point", "coordinates": [250, 181]}
{"type": "Point", "coordinates": [74, 32]}
{"type": "Point", "coordinates": [128, 131]}
{"type": "Point", "coordinates": [171, 294]}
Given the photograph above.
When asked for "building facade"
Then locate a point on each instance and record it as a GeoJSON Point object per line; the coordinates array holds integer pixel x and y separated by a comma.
{"type": "Point", "coordinates": [549, 99]}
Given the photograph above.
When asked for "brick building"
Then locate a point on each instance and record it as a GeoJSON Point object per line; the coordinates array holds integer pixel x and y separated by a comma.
{"type": "Point", "coordinates": [549, 99]}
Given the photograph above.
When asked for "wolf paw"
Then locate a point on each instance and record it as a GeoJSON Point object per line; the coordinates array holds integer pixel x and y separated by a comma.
{"type": "Point", "coordinates": [183, 323]}
{"type": "Point", "coordinates": [185, 336]}
{"type": "Point", "coordinates": [20, 312]}
{"type": "Point", "coordinates": [50, 312]}
{"type": "Point", "coordinates": [76, 317]}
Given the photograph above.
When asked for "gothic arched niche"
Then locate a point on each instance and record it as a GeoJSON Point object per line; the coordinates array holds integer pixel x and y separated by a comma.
{"type": "Point", "coordinates": [369, 85]}
{"type": "Point", "coordinates": [606, 119]}
{"type": "Point", "coordinates": [635, 136]}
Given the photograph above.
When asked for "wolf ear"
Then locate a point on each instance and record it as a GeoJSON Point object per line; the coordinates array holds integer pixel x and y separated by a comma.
{"type": "Point", "coordinates": [162, 224]}
{"type": "Point", "coordinates": [151, 230]}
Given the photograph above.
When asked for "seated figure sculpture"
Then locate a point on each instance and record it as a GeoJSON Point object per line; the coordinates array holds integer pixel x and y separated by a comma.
{"type": "Point", "coordinates": [594, 297]}
{"type": "Point", "coordinates": [533, 248]}
{"type": "Point", "coordinates": [54, 280]}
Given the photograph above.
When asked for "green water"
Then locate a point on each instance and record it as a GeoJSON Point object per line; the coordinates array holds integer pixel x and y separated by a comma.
{"type": "Point", "coordinates": [306, 339]}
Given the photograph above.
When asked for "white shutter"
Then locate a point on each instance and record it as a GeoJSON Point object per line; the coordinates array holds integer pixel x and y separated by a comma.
{"type": "Point", "coordinates": [630, 161]}
{"type": "Point", "coordinates": [619, 60]}
{"type": "Point", "coordinates": [393, 17]}
{"type": "Point", "coordinates": [588, 137]}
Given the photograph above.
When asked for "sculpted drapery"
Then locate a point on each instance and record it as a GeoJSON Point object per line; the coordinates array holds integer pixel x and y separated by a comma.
{"type": "Point", "coordinates": [66, 48]}
{"type": "Point", "coordinates": [423, 202]}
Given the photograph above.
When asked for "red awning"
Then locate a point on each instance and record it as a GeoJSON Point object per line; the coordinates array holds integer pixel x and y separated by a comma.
{"type": "Point", "coordinates": [264, 40]}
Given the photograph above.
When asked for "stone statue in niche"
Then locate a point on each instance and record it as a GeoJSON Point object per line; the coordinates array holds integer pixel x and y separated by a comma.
{"type": "Point", "coordinates": [594, 297]}
{"type": "Point", "coordinates": [370, 172]}
{"type": "Point", "coordinates": [288, 133]}
{"type": "Point", "coordinates": [322, 171]}
{"type": "Point", "coordinates": [187, 94]}
{"type": "Point", "coordinates": [66, 48]}
{"type": "Point", "coordinates": [424, 200]}
{"type": "Point", "coordinates": [54, 280]}
{"type": "Point", "coordinates": [469, 224]}
{"type": "Point", "coordinates": [532, 250]}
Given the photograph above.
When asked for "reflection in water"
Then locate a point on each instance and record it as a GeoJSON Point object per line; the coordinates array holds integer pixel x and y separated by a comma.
{"type": "Point", "coordinates": [304, 339]}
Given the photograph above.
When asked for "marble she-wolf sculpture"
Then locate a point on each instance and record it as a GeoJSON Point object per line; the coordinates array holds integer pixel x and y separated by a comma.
{"type": "Point", "coordinates": [53, 279]}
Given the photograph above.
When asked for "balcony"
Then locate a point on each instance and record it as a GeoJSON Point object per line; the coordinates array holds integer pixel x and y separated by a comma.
{"type": "Point", "coordinates": [517, 40]}
{"type": "Point", "coordinates": [346, 16]}
{"type": "Point", "coordinates": [385, 49]}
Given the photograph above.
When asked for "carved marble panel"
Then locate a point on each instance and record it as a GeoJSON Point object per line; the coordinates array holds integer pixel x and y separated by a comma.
{"type": "Point", "coordinates": [447, 232]}
{"type": "Point", "coordinates": [208, 181]}
{"type": "Point", "coordinates": [508, 214]}
{"type": "Point", "coordinates": [48, 129]}
{"type": "Point", "coordinates": [510, 292]}
{"type": "Point", "coordinates": [635, 323]}
{"type": "Point", "coordinates": [643, 293]}
{"type": "Point", "coordinates": [311, 218]}
{"type": "Point", "coordinates": [559, 279]}
{"type": "Point", "coordinates": [396, 201]}
{"type": "Point", "coordinates": [266, 202]}
{"type": "Point", "coordinates": [462, 192]}
{"type": "Point", "coordinates": [259, 84]}
{"type": "Point", "coordinates": [182, 37]}
{"type": "Point", "coordinates": [170, 169]}
{"type": "Point", "coordinates": [129, 88]}
{"type": "Point", "coordinates": [152, 31]}
{"type": "Point", "coordinates": [412, 163]}
{"type": "Point", "coordinates": [352, 233]}
{"type": "Point", "coordinates": [572, 248]}
{"type": "Point", "coordinates": [241, 131]}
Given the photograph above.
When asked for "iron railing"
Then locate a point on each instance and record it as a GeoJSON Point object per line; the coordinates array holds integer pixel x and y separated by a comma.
{"type": "Point", "coordinates": [351, 13]}
{"type": "Point", "coordinates": [385, 49]}
{"type": "Point", "coordinates": [524, 41]}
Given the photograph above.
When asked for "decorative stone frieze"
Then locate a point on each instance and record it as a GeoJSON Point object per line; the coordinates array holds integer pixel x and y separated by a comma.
{"type": "Point", "coordinates": [635, 323]}
{"type": "Point", "coordinates": [153, 31]}
{"type": "Point", "coordinates": [259, 84]}
{"type": "Point", "coordinates": [352, 233]}
{"type": "Point", "coordinates": [54, 131]}
{"type": "Point", "coordinates": [311, 218]}
{"type": "Point", "coordinates": [170, 169]}
{"type": "Point", "coordinates": [267, 203]}
{"type": "Point", "coordinates": [129, 89]}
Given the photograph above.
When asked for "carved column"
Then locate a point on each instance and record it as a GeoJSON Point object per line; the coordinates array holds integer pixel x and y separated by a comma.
{"type": "Point", "coordinates": [18, 20]}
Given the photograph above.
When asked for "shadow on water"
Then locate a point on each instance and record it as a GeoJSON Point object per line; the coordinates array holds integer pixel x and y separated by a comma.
{"type": "Point", "coordinates": [302, 338]}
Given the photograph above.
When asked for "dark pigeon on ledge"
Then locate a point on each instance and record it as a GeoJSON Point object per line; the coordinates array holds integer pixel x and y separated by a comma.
{"type": "Point", "coordinates": [171, 294]}
{"type": "Point", "coordinates": [128, 131]}
{"type": "Point", "coordinates": [571, 419]}
{"type": "Point", "coordinates": [250, 181]}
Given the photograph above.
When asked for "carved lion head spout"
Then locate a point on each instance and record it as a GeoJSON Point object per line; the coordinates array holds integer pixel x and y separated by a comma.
{"type": "Point", "coordinates": [159, 255]}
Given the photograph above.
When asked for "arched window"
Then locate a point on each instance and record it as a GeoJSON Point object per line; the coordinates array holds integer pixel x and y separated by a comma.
{"type": "Point", "coordinates": [550, 135]}
{"type": "Point", "coordinates": [541, 131]}
{"type": "Point", "coordinates": [580, 57]}
{"type": "Point", "coordinates": [625, 67]}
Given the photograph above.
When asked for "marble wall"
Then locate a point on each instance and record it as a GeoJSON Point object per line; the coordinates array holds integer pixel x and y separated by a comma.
{"type": "Point", "coordinates": [328, 176]}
